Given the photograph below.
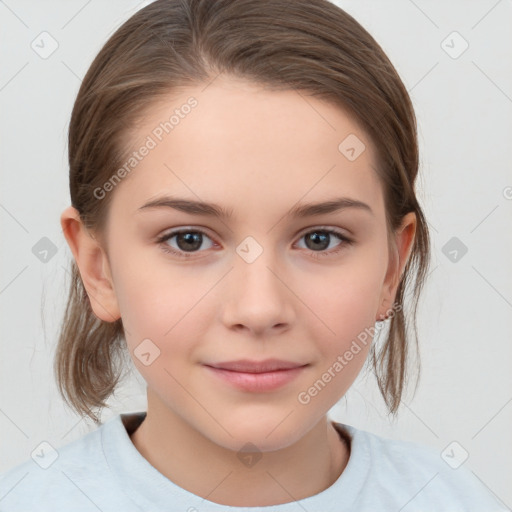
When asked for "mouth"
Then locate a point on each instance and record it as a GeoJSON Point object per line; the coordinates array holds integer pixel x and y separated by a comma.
{"type": "Point", "coordinates": [248, 366]}
{"type": "Point", "coordinates": [257, 376]}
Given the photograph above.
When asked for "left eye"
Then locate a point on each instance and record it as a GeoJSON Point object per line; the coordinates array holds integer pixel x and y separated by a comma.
{"type": "Point", "coordinates": [318, 237]}
{"type": "Point", "coordinates": [190, 240]}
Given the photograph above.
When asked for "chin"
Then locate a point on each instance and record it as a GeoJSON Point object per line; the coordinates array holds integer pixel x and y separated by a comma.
{"type": "Point", "coordinates": [267, 432]}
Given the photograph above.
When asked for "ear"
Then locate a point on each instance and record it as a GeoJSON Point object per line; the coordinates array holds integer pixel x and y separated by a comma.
{"type": "Point", "coordinates": [93, 264]}
{"type": "Point", "coordinates": [401, 246]}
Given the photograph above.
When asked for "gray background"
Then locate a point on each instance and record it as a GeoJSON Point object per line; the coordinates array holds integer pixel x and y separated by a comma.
{"type": "Point", "coordinates": [464, 108]}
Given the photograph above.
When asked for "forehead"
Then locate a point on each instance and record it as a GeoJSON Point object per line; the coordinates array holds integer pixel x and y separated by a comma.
{"type": "Point", "coordinates": [243, 146]}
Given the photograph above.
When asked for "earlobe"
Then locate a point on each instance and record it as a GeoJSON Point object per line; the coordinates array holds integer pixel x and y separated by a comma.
{"type": "Point", "coordinates": [93, 265]}
{"type": "Point", "coordinates": [400, 252]}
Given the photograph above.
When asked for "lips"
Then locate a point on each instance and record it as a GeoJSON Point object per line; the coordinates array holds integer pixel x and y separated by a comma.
{"type": "Point", "coordinates": [247, 366]}
{"type": "Point", "coordinates": [256, 376]}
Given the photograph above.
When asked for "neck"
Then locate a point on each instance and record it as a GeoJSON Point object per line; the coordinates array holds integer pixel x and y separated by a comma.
{"type": "Point", "coordinates": [202, 467]}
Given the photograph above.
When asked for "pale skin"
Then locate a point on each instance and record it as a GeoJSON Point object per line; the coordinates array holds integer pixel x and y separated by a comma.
{"type": "Point", "coordinates": [259, 154]}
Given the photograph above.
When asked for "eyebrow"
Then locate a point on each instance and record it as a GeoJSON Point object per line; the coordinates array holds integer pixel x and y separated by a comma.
{"type": "Point", "coordinates": [214, 210]}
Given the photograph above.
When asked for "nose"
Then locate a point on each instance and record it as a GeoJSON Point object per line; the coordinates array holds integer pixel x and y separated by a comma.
{"type": "Point", "coordinates": [256, 297]}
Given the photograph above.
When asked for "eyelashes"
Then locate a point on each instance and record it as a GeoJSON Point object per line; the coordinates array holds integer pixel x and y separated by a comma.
{"type": "Point", "coordinates": [198, 234]}
{"type": "Point", "coordinates": [178, 232]}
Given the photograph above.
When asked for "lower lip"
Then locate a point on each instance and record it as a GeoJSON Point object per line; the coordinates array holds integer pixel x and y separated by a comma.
{"type": "Point", "coordinates": [257, 382]}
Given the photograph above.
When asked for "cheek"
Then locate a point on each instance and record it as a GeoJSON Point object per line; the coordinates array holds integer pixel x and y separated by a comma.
{"type": "Point", "coordinates": [344, 302]}
{"type": "Point", "coordinates": [343, 335]}
{"type": "Point", "coordinates": [149, 293]}
{"type": "Point", "coordinates": [165, 306]}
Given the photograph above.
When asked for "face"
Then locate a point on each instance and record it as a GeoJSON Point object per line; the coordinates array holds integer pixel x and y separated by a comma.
{"type": "Point", "coordinates": [260, 283]}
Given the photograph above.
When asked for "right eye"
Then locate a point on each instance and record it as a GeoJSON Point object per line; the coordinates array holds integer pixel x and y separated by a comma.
{"type": "Point", "coordinates": [187, 240]}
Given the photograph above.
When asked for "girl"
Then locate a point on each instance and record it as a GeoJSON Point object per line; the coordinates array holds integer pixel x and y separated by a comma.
{"type": "Point", "coordinates": [243, 212]}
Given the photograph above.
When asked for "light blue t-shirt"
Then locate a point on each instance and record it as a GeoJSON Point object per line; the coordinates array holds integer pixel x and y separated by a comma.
{"type": "Point", "coordinates": [103, 471]}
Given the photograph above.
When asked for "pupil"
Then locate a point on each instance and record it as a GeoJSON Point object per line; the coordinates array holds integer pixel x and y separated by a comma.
{"type": "Point", "coordinates": [188, 238]}
{"type": "Point", "coordinates": [316, 237]}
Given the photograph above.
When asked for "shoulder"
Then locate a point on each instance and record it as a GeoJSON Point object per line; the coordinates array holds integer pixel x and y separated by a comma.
{"type": "Point", "coordinates": [418, 477]}
{"type": "Point", "coordinates": [74, 474]}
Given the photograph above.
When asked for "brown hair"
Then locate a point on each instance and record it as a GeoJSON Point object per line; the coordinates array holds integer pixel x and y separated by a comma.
{"type": "Point", "coordinates": [307, 45]}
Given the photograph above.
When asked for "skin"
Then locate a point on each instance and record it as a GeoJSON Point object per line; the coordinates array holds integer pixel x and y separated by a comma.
{"type": "Point", "coordinates": [258, 153]}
